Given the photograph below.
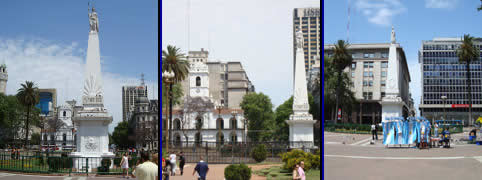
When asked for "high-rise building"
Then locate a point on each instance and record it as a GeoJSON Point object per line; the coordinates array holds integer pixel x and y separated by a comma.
{"type": "Point", "coordinates": [48, 100]}
{"type": "Point", "coordinates": [444, 81]}
{"type": "Point", "coordinates": [368, 74]}
{"type": "Point", "coordinates": [309, 20]}
{"type": "Point", "coordinates": [3, 78]}
{"type": "Point", "coordinates": [130, 94]}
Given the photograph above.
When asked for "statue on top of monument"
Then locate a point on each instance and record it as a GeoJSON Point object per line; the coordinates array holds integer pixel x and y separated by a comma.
{"type": "Point", "coordinates": [299, 39]}
{"type": "Point", "coordinates": [93, 20]}
{"type": "Point", "coordinates": [393, 36]}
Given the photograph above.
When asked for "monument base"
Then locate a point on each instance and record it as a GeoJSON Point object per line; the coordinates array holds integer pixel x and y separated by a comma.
{"type": "Point", "coordinates": [391, 107]}
{"type": "Point", "coordinates": [301, 131]}
{"type": "Point", "coordinates": [90, 161]}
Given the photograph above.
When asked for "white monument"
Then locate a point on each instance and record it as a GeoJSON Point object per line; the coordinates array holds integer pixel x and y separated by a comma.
{"type": "Point", "coordinates": [392, 104]}
{"type": "Point", "coordinates": [301, 121]}
{"type": "Point", "coordinates": [92, 120]}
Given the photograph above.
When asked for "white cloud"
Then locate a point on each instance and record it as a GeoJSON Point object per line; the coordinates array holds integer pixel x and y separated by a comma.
{"type": "Point", "coordinates": [440, 4]}
{"type": "Point", "coordinates": [380, 12]}
{"type": "Point", "coordinates": [60, 66]}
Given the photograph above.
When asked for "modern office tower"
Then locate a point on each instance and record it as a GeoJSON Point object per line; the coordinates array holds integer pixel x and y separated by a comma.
{"type": "Point", "coordinates": [130, 94]}
{"type": "Point", "coordinates": [368, 74]}
{"type": "Point", "coordinates": [48, 101]}
{"type": "Point", "coordinates": [444, 81]}
{"type": "Point", "coordinates": [309, 20]}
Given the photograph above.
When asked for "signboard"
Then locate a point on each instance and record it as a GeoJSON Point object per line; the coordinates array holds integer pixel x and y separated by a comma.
{"type": "Point", "coordinates": [460, 105]}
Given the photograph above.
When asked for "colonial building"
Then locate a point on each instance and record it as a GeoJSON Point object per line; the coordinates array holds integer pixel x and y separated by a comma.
{"type": "Point", "coordinates": [58, 130]}
{"type": "Point", "coordinates": [144, 124]}
{"type": "Point", "coordinates": [221, 84]}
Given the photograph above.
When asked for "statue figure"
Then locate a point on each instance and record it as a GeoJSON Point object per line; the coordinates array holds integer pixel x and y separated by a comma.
{"type": "Point", "coordinates": [393, 36]}
{"type": "Point", "coordinates": [93, 21]}
{"type": "Point", "coordinates": [299, 39]}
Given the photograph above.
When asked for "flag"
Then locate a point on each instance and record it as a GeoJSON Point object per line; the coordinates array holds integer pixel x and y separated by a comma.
{"type": "Point", "coordinates": [389, 133]}
{"type": "Point", "coordinates": [405, 133]}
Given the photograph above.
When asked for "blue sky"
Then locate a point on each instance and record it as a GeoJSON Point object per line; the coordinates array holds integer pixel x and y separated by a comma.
{"type": "Point", "coordinates": [46, 42]}
{"type": "Point", "coordinates": [414, 21]}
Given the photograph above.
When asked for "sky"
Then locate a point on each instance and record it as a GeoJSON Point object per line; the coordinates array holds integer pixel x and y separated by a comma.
{"type": "Point", "coordinates": [256, 33]}
{"type": "Point", "coordinates": [414, 21]}
{"type": "Point", "coordinates": [46, 42]}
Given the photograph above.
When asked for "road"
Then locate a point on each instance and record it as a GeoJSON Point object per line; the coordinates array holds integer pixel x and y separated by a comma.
{"type": "Point", "coordinates": [353, 157]}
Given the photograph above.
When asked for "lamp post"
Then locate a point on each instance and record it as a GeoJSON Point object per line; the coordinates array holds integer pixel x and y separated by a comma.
{"type": "Point", "coordinates": [444, 98]}
{"type": "Point", "coordinates": [167, 77]}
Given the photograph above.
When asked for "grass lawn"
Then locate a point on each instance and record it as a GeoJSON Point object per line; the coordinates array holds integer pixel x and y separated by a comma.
{"type": "Point", "coordinates": [276, 172]}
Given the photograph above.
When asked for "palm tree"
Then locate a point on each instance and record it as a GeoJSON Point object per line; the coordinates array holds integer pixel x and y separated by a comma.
{"type": "Point", "coordinates": [480, 8]}
{"type": "Point", "coordinates": [28, 96]}
{"type": "Point", "coordinates": [173, 61]}
{"type": "Point", "coordinates": [467, 53]}
{"type": "Point", "coordinates": [341, 59]}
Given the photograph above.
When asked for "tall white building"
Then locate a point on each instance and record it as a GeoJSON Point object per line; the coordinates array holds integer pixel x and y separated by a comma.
{"type": "Point", "coordinates": [59, 131]}
{"type": "Point", "coordinates": [3, 78]}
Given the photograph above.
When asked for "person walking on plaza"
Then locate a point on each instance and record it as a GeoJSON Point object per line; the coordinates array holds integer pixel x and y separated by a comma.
{"type": "Point", "coordinates": [147, 170]}
{"type": "Point", "coordinates": [201, 169]}
{"type": "Point", "coordinates": [173, 163]}
{"type": "Point", "coordinates": [125, 165]}
{"type": "Point", "coordinates": [374, 132]}
{"type": "Point", "coordinates": [165, 170]}
{"type": "Point", "coordinates": [182, 161]}
{"type": "Point", "coordinates": [296, 175]}
{"type": "Point", "coordinates": [435, 130]}
{"type": "Point", "coordinates": [301, 171]}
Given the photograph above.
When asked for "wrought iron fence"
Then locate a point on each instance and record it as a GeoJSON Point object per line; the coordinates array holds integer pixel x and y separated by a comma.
{"type": "Point", "coordinates": [60, 163]}
{"type": "Point", "coordinates": [226, 152]}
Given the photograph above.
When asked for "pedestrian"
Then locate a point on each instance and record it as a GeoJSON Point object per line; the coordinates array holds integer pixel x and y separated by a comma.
{"type": "Point", "coordinates": [301, 171]}
{"type": "Point", "coordinates": [296, 175]}
{"type": "Point", "coordinates": [182, 161]}
{"type": "Point", "coordinates": [155, 159]}
{"type": "Point", "coordinates": [125, 165]}
{"type": "Point", "coordinates": [201, 169]}
{"type": "Point", "coordinates": [173, 163]}
{"type": "Point", "coordinates": [374, 132]}
{"type": "Point", "coordinates": [165, 170]}
{"type": "Point", "coordinates": [435, 130]}
{"type": "Point", "coordinates": [147, 170]}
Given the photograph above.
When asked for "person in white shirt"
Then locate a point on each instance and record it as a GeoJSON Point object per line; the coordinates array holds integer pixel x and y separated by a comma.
{"type": "Point", "coordinates": [147, 170]}
{"type": "Point", "coordinates": [374, 132]}
{"type": "Point", "coordinates": [173, 163]}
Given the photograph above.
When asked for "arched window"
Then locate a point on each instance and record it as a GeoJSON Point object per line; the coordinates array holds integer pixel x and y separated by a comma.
{"type": "Point", "coordinates": [65, 113]}
{"type": "Point", "coordinates": [234, 138]}
{"type": "Point", "coordinates": [177, 139]}
{"type": "Point", "coordinates": [45, 139]}
{"type": "Point", "coordinates": [64, 137]}
{"type": "Point", "coordinates": [234, 123]}
{"type": "Point", "coordinates": [199, 123]}
{"type": "Point", "coordinates": [52, 139]}
{"type": "Point", "coordinates": [220, 123]}
{"type": "Point", "coordinates": [177, 124]}
{"type": "Point", "coordinates": [198, 81]}
{"type": "Point", "coordinates": [220, 138]}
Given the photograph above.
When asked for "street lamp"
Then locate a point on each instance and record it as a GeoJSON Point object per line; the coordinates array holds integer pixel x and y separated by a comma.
{"type": "Point", "coordinates": [444, 98]}
{"type": "Point", "coordinates": [167, 78]}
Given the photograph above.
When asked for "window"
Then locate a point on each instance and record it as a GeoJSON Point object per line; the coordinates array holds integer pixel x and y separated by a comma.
{"type": "Point", "coordinates": [383, 83]}
{"type": "Point", "coordinates": [384, 73]}
{"type": "Point", "coordinates": [384, 64]}
{"type": "Point", "coordinates": [370, 83]}
{"type": "Point", "coordinates": [383, 94]}
{"type": "Point", "coordinates": [365, 74]}
{"type": "Point", "coordinates": [198, 81]}
{"type": "Point", "coordinates": [64, 113]}
{"type": "Point", "coordinates": [384, 55]}
{"type": "Point", "coordinates": [368, 64]}
{"type": "Point", "coordinates": [352, 74]}
{"type": "Point", "coordinates": [365, 83]}
{"type": "Point", "coordinates": [370, 74]}
{"type": "Point", "coordinates": [353, 65]}
{"type": "Point", "coordinates": [222, 76]}
{"type": "Point", "coordinates": [369, 55]}
{"type": "Point", "coordinates": [367, 95]}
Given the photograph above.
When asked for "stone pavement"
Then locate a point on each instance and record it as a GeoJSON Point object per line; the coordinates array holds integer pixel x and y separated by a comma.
{"type": "Point", "coordinates": [216, 172]}
{"type": "Point", "coordinates": [357, 159]}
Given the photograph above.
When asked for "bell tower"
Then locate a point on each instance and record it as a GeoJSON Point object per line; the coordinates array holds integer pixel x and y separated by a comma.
{"type": "Point", "coordinates": [3, 78]}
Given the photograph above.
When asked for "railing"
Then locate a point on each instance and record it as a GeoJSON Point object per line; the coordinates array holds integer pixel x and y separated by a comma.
{"type": "Point", "coordinates": [227, 152]}
{"type": "Point", "coordinates": [57, 163]}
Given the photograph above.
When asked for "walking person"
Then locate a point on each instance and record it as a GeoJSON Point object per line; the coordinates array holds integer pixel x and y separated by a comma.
{"type": "Point", "coordinates": [435, 130]}
{"type": "Point", "coordinates": [301, 171]}
{"type": "Point", "coordinates": [374, 132]}
{"type": "Point", "coordinates": [182, 161]}
{"type": "Point", "coordinates": [173, 163]}
{"type": "Point", "coordinates": [125, 165]}
{"type": "Point", "coordinates": [201, 169]}
{"type": "Point", "coordinates": [165, 170]}
{"type": "Point", "coordinates": [296, 175]}
{"type": "Point", "coordinates": [147, 170]}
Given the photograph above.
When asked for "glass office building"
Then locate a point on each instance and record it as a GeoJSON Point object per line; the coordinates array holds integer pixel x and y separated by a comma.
{"type": "Point", "coordinates": [444, 81]}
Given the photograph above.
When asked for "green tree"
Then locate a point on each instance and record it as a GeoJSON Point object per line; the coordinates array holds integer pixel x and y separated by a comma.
{"type": "Point", "coordinates": [468, 53]}
{"type": "Point", "coordinates": [28, 96]}
{"type": "Point", "coordinates": [176, 95]}
{"type": "Point", "coordinates": [258, 110]}
{"type": "Point", "coordinates": [173, 61]}
{"type": "Point", "coordinates": [480, 7]}
{"type": "Point", "coordinates": [283, 112]}
{"type": "Point", "coordinates": [341, 59]}
{"type": "Point", "coordinates": [120, 135]}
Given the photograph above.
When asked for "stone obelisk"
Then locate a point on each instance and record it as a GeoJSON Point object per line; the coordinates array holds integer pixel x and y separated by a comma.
{"type": "Point", "coordinates": [92, 120]}
{"type": "Point", "coordinates": [392, 104]}
{"type": "Point", "coordinates": [301, 121]}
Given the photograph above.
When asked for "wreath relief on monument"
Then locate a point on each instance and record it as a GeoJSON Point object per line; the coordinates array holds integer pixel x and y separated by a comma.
{"type": "Point", "coordinates": [91, 143]}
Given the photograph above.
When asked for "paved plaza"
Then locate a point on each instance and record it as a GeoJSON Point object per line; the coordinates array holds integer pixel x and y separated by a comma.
{"type": "Point", "coordinates": [12, 176]}
{"type": "Point", "coordinates": [358, 159]}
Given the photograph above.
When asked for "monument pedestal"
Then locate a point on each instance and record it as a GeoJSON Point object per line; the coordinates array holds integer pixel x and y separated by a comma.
{"type": "Point", "coordinates": [391, 107]}
{"type": "Point", "coordinates": [301, 131]}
